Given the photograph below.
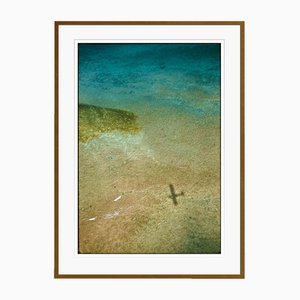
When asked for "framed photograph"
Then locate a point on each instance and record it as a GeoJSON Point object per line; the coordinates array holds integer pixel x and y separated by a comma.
{"type": "Point", "coordinates": [149, 149]}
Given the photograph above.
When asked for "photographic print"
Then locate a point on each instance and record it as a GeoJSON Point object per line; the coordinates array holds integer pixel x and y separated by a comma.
{"type": "Point", "coordinates": [149, 125]}
{"type": "Point", "coordinates": [149, 149]}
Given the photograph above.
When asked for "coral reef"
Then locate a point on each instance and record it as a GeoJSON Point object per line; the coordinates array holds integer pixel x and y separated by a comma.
{"type": "Point", "coordinates": [93, 120]}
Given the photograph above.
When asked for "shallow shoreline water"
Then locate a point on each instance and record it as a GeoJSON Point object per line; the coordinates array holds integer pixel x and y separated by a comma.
{"type": "Point", "coordinates": [126, 203]}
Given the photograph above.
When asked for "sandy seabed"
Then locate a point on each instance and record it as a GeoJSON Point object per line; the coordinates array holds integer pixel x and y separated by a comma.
{"type": "Point", "coordinates": [125, 203]}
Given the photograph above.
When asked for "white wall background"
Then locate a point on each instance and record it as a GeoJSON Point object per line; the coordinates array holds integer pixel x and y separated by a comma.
{"type": "Point", "coordinates": [272, 149]}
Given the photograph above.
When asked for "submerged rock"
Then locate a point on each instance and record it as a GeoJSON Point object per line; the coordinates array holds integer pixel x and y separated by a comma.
{"type": "Point", "coordinates": [94, 120]}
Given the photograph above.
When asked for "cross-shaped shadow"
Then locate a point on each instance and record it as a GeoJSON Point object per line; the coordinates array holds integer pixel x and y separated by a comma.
{"type": "Point", "coordinates": [173, 195]}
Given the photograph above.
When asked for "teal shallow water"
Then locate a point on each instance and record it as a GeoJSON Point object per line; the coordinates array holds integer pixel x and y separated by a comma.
{"type": "Point", "coordinates": [124, 75]}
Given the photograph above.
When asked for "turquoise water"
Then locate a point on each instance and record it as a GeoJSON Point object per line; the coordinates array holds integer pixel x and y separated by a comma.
{"type": "Point", "coordinates": [181, 76]}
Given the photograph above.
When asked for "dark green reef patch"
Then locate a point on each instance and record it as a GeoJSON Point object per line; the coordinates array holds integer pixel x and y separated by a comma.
{"type": "Point", "coordinates": [94, 120]}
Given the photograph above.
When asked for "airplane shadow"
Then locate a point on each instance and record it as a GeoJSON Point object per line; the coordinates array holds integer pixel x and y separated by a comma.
{"type": "Point", "coordinates": [173, 195]}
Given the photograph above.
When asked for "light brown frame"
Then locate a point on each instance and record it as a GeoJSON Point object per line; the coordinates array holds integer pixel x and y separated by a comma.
{"type": "Point", "coordinates": [242, 151]}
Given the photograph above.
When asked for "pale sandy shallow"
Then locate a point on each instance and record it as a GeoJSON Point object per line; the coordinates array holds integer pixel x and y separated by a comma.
{"type": "Point", "coordinates": [124, 203]}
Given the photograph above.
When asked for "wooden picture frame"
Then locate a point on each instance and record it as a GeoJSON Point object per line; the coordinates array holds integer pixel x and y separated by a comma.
{"type": "Point", "coordinates": [68, 263]}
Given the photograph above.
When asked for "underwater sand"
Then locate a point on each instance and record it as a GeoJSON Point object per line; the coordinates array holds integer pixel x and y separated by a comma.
{"type": "Point", "coordinates": [125, 203]}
